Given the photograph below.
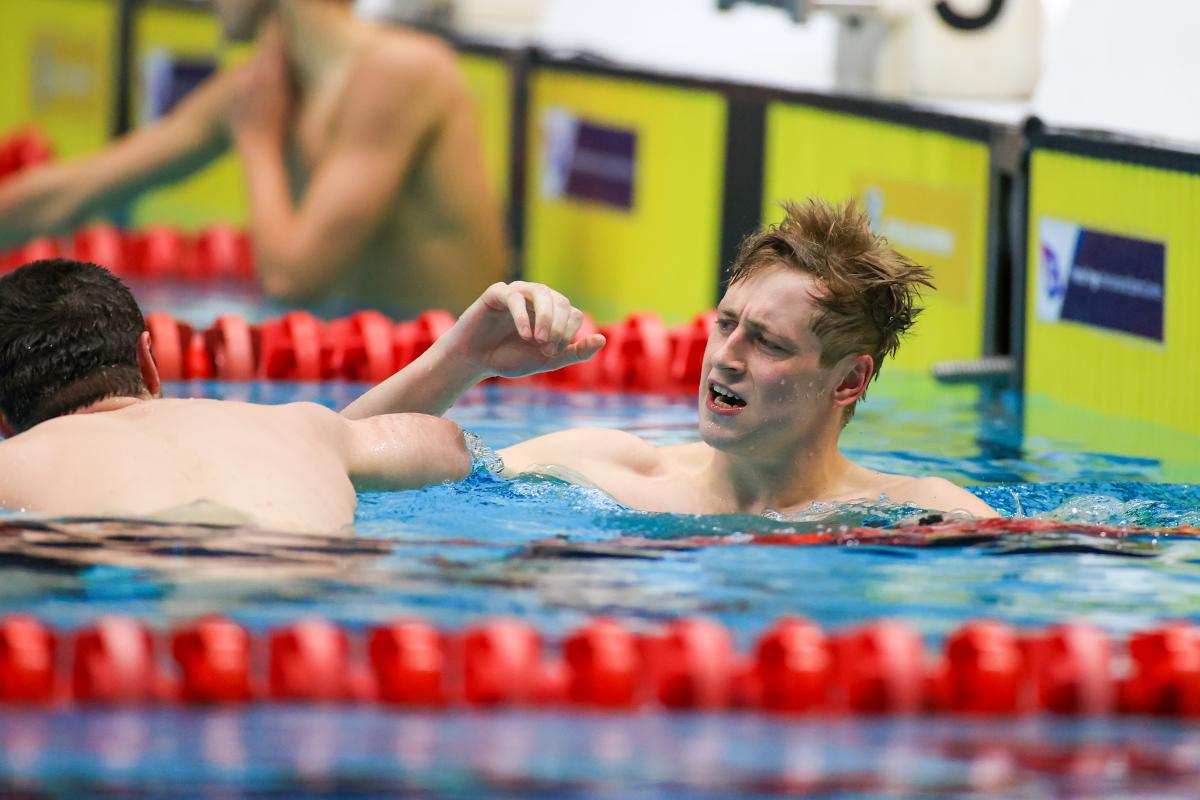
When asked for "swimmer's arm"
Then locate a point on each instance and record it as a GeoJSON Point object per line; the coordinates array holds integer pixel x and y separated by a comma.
{"type": "Point", "coordinates": [512, 330]}
{"type": "Point", "coordinates": [390, 111]}
{"type": "Point", "coordinates": [939, 494]}
{"type": "Point", "coordinates": [404, 451]}
{"type": "Point", "coordinates": [57, 197]}
{"type": "Point", "coordinates": [598, 454]}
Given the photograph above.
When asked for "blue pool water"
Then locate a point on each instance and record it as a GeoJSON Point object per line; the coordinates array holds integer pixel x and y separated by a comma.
{"type": "Point", "coordinates": [284, 752]}
{"type": "Point", "coordinates": [555, 554]}
{"type": "Point", "coordinates": [455, 553]}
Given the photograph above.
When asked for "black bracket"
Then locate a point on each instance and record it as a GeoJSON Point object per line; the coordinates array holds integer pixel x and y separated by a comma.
{"type": "Point", "coordinates": [962, 23]}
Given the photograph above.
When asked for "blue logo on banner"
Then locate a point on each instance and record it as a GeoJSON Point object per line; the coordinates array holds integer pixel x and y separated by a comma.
{"type": "Point", "coordinates": [1101, 279]}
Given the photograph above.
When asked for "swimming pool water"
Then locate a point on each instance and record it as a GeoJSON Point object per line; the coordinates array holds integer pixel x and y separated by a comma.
{"type": "Point", "coordinates": [359, 753]}
{"type": "Point", "coordinates": [455, 553]}
{"type": "Point", "coordinates": [555, 554]}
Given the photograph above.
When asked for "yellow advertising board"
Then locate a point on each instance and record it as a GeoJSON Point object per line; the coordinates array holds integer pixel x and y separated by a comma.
{"type": "Point", "coordinates": [926, 190]}
{"type": "Point", "coordinates": [1113, 288]}
{"type": "Point", "coordinates": [490, 81]}
{"type": "Point", "coordinates": [169, 40]}
{"type": "Point", "coordinates": [624, 192]}
{"type": "Point", "coordinates": [57, 66]}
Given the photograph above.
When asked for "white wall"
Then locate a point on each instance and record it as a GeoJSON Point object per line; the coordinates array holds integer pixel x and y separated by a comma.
{"type": "Point", "coordinates": [1127, 67]}
{"type": "Point", "coordinates": [748, 44]}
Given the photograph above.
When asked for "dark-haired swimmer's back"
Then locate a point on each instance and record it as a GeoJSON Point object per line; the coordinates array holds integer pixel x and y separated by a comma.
{"type": "Point", "coordinates": [292, 467]}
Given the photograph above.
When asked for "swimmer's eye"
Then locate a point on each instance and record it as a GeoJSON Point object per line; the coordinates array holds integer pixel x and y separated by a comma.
{"type": "Point", "coordinates": [770, 346]}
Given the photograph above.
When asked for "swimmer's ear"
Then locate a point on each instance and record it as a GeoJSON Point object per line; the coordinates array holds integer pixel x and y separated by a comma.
{"type": "Point", "coordinates": [148, 367]}
{"type": "Point", "coordinates": [856, 377]}
{"type": "Point", "coordinates": [6, 430]}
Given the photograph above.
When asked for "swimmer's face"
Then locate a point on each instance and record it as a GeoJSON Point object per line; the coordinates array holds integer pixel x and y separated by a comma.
{"type": "Point", "coordinates": [764, 353]}
{"type": "Point", "coordinates": [240, 19]}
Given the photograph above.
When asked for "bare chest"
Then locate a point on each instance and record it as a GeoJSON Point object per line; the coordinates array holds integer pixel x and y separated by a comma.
{"type": "Point", "coordinates": [312, 134]}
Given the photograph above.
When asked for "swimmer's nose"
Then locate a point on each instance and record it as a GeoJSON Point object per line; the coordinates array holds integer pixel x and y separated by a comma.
{"type": "Point", "coordinates": [726, 356]}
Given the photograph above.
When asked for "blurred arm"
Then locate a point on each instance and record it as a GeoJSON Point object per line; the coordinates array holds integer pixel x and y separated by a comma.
{"type": "Point", "coordinates": [56, 197]}
{"type": "Point", "coordinates": [393, 104]}
{"type": "Point", "coordinates": [512, 330]}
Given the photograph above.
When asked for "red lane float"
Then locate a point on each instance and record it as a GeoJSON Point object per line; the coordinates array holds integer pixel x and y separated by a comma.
{"type": "Point", "coordinates": [688, 343]}
{"type": "Point", "coordinates": [359, 348]}
{"type": "Point", "coordinates": [641, 356]}
{"type": "Point", "coordinates": [155, 253]}
{"type": "Point", "coordinates": [879, 669]}
{"type": "Point", "coordinates": [1070, 670]}
{"type": "Point", "coordinates": [231, 344]}
{"type": "Point", "coordinates": [309, 661]}
{"type": "Point", "coordinates": [500, 663]}
{"type": "Point", "coordinates": [222, 252]}
{"type": "Point", "coordinates": [25, 148]}
{"type": "Point", "coordinates": [160, 253]}
{"type": "Point", "coordinates": [213, 655]}
{"type": "Point", "coordinates": [693, 665]}
{"type": "Point", "coordinates": [792, 666]}
{"type": "Point", "coordinates": [167, 345]}
{"type": "Point", "coordinates": [603, 665]}
{"type": "Point", "coordinates": [114, 662]}
{"type": "Point", "coordinates": [409, 661]}
{"type": "Point", "coordinates": [291, 348]}
{"type": "Point", "coordinates": [943, 534]}
{"type": "Point", "coordinates": [983, 669]}
{"type": "Point", "coordinates": [1165, 678]}
{"type": "Point", "coordinates": [637, 356]}
{"type": "Point", "coordinates": [27, 661]}
{"type": "Point", "coordinates": [102, 244]}
{"type": "Point", "coordinates": [986, 667]}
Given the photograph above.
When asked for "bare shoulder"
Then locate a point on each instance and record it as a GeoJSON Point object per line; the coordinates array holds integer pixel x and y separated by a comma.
{"type": "Point", "coordinates": [10, 492]}
{"type": "Point", "coordinates": [309, 416]}
{"type": "Point", "coordinates": [403, 82]}
{"type": "Point", "coordinates": [396, 65]}
{"type": "Point", "coordinates": [579, 448]}
{"type": "Point", "coordinates": [939, 494]}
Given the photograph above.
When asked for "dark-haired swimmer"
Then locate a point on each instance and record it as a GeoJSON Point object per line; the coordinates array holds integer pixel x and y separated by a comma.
{"type": "Point", "coordinates": [361, 151]}
{"type": "Point", "coordinates": [814, 306]}
{"type": "Point", "coordinates": [90, 435]}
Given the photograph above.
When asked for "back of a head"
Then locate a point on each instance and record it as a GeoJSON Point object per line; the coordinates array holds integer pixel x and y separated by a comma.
{"type": "Point", "coordinates": [870, 292]}
{"type": "Point", "coordinates": [68, 338]}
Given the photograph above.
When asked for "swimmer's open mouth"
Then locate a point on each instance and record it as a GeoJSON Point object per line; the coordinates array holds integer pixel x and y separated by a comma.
{"type": "Point", "coordinates": [722, 397]}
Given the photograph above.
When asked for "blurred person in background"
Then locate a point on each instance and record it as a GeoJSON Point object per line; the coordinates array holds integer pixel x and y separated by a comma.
{"type": "Point", "coordinates": [361, 152]}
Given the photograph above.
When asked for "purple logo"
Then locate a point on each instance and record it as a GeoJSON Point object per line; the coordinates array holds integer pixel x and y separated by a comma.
{"type": "Point", "coordinates": [588, 161]}
{"type": "Point", "coordinates": [1054, 281]}
{"type": "Point", "coordinates": [1117, 283]}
